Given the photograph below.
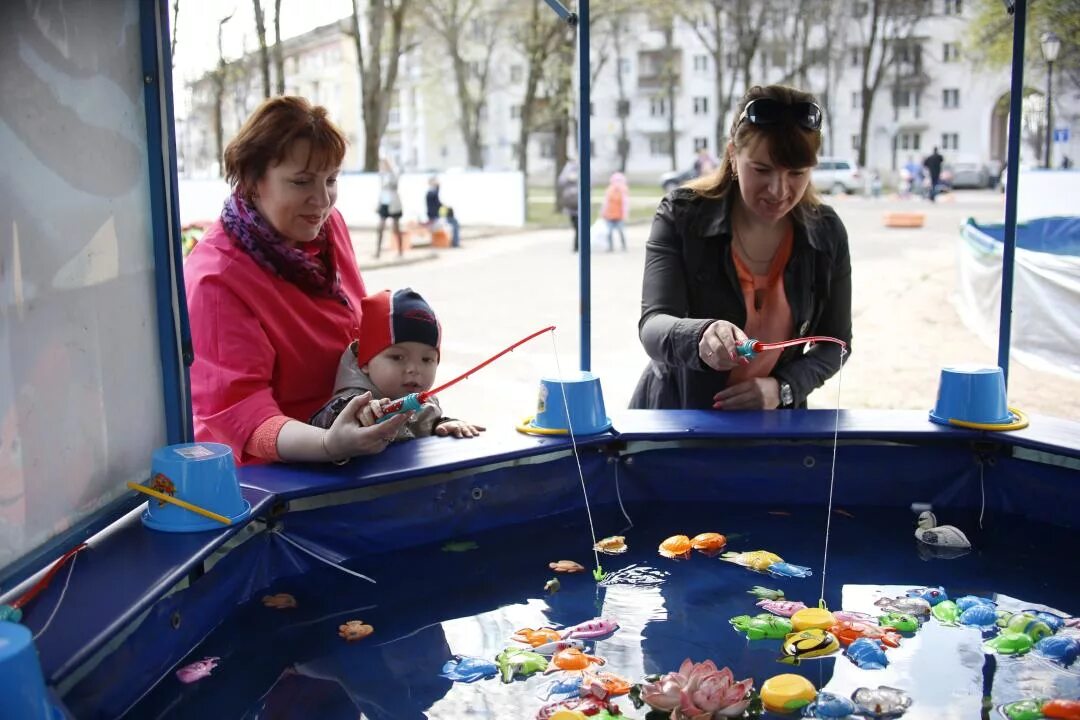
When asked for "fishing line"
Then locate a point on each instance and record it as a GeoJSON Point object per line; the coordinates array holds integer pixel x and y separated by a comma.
{"type": "Point", "coordinates": [59, 600]}
{"type": "Point", "coordinates": [318, 557]}
{"type": "Point", "coordinates": [832, 476]}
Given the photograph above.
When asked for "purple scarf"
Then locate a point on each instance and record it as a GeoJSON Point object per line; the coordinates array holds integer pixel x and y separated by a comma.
{"type": "Point", "coordinates": [314, 273]}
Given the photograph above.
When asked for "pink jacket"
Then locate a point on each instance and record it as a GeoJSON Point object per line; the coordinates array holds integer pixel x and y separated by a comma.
{"type": "Point", "coordinates": [616, 199]}
{"type": "Point", "coordinates": [263, 347]}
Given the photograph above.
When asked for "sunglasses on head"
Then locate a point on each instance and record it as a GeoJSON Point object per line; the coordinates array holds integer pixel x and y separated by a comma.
{"type": "Point", "coordinates": [766, 111]}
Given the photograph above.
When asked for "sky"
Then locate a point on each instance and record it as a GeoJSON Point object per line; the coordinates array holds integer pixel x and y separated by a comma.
{"type": "Point", "coordinates": [197, 24]}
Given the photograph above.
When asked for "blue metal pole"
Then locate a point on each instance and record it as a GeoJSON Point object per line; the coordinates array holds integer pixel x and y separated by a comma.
{"type": "Point", "coordinates": [1013, 175]}
{"type": "Point", "coordinates": [584, 183]}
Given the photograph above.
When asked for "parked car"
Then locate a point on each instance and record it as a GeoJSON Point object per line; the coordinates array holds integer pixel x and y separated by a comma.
{"type": "Point", "coordinates": [967, 172]}
{"type": "Point", "coordinates": [837, 175]}
{"type": "Point", "coordinates": [671, 180]}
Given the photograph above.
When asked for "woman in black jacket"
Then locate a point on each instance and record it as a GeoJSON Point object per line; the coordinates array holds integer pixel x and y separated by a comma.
{"type": "Point", "coordinates": [748, 251]}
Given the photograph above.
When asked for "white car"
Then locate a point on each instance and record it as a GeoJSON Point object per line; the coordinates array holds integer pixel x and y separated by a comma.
{"type": "Point", "coordinates": [837, 175]}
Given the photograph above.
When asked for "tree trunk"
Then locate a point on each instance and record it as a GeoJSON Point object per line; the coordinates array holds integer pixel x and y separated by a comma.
{"type": "Point", "coordinates": [172, 45]}
{"type": "Point", "coordinates": [219, 97]}
{"type": "Point", "coordinates": [623, 107]}
{"type": "Point", "coordinates": [670, 81]}
{"type": "Point", "coordinates": [264, 53]}
{"type": "Point", "coordinates": [377, 89]}
{"type": "Point", "coordinates": [279, 59]}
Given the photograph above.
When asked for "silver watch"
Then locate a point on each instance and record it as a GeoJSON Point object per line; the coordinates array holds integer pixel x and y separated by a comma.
{"type": "Point", "coordinates": [787, 398]}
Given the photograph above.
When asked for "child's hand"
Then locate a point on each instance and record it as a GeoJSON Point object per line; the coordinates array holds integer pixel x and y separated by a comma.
{"type": "Point", "coordinates": [369, 415]}
{"type": "Point", "coordinates": [459, 429]}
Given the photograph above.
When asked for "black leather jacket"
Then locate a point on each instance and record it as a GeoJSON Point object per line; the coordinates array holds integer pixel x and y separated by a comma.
{"type": "Point", "coordinates": [690, 281]}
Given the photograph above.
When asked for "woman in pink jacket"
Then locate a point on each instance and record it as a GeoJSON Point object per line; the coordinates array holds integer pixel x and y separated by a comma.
{"type": "Point", "coordinates": [274, 295]}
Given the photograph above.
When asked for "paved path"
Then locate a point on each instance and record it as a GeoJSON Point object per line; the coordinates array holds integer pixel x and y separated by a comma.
{"type": "Point", "coordinates": [500, 288]}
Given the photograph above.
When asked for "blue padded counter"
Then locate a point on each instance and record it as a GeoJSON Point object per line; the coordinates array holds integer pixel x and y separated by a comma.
{"type": "Point", "coordinates": [121, 575]}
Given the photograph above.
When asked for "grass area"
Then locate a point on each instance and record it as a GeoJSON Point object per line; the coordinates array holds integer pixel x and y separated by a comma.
{"type": "Point", "coordinates": [541, 212]}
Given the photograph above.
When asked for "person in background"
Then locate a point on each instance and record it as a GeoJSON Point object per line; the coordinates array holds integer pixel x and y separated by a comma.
{"type": "Point", "coordinates": [705, 163]}
{"type": "Point", "coordinates": [389, 205]}
{"type": "Point", "coordinates": [273, 295]}
{"type": "Point", "coordinates": [616, 209]}
{"type": "Point", "coordinates": [436, 211]}
{"type": "Point", "coordinates": [397, 354]}
{"type": "Point", "coordinates": [933, 163]}
{"type": "Point", "coordinates": [566, 193]}
{"type": "Point", "coordinates": [748, 252]}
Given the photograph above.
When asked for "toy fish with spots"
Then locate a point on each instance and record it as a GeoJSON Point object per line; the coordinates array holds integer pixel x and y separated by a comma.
{"type": "Point", "coordinates": [762, 627]}
{"type": "Point", "coordinates": [968, 601]}
{"type": "Point", "coordinates": [603, 685]}
{"type": "Point", "coordinates": [463, 668]}
{"type": "Point", "coordinates": [591, 630]}
{"type": "Point", "coordinates": [572, 659]}
{"type": "Point", "coordinates": [1063, 649]}
{"type": "Point", "coordinates": [783, 608]}
{"type": "Point", "coordinates": [932, 595]}
{"type": "Point", "coordinates": [764, 593]}
{"type": "Point", "coordinates": [908, 605]}
{"type": "Point", "coordinates": [551, 648]}
{"type": "Point", "coordinates": [867, 653]}
{"type": "Point", "coordinates": [1009, 643]}
{"type": "Point", "coordinates": [767, 562]}
{"type": "Point", "coordinates": [829, 707]}
{"type": "Point", "coordinates": [978, 615]}
{"type": "Point", "coordinates": [901, 622]}
{"type": "Point", "coordinates": [519, 661]}
{"type": "Point", "coordinates": [808, 644]}
{"type": "Point", "coordinates": [561, 687]}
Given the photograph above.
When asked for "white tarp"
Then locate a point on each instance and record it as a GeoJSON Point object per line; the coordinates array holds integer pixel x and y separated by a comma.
{"type": "Point", "coordinates": [1046, 297]}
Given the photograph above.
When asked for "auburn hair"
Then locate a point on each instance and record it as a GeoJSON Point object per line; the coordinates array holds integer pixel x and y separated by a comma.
{"type": "Point", "coordinates": [790, 145]}
{"type": "Point", "coordinates": [268, 135]}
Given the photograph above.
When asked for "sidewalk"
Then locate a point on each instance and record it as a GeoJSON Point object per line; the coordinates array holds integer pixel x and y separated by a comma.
{"type": "Point", "coordinates": [363, 241]}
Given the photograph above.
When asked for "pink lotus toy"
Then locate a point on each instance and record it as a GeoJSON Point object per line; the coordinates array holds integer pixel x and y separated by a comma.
{"type": "Point", "coordinates": [699, 690]}
{"type": "Point", "coordinates": [197, 670]}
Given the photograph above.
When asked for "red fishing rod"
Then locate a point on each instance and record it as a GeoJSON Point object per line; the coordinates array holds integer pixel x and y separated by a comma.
{"type": "Point", "coordinates": [413, 401]}
{"type": "Point", "coordinates": [750, 348]}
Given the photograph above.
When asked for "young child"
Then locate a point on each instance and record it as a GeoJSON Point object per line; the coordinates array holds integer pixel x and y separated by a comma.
{"type": "Point", "coordinates": [616, 209]}
{"type": "Point", "coordinates": [397, 354]}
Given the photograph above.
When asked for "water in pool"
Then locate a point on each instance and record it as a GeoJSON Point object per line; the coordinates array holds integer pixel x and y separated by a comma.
{"type": "Point", "coordinates": [431, 603]}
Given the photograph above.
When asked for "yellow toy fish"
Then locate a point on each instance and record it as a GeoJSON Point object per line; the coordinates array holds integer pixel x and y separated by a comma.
{"type": "Point", "coordinates": [812, 643]}
{"type": "Point", "coordinates": [759, 560]}
{"type": "Point", "coordinates": [614, 545]}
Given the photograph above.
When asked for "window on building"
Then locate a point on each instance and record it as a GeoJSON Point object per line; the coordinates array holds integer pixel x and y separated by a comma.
{"type": "Point", "coordinates": [547, 148]}
{"type": "Point", "coordinates": [516, 73]}
{"type": "Point", "coordinates": [856, 141]}
{"type": "Point", "coordinates": [901, 98]}
{"type": "Point", "coordinates": [701, 143]}
{"type": "Point", "coordinates": [701, 106]}
{"type": "Point", "coordinates": [659, 145]}
{"type": "Point", "coordinates": [856, 99]}
{"type": "Point", "coordinates": [515, 112]}
{"type": "Point", "coordinates": [658, 106]}
{"type": "Point", "coordinates": [950, 97]}
{"type": "Point", "coordinates": [622, 108]}
{"type": "Point", "coordinates": [701, 63]}
{"type": "Point", "coordinates": [950, 141]}
{"type": "Point", "coordinates": [950, 52]}
{"type": "Point", "coordinates": [954, 7]}
{"type": "Point", "coordinates": [624, 66]}
{"type": "Point", "coordinates": [908, 140]}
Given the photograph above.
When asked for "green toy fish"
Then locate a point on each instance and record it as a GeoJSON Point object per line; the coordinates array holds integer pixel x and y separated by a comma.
{"type": "Point", "coordinates": [946, 612]}
{"type": "Point", "coordinates": [459, 546]}
{"type": "Point", "coordinates": [899, 621]}
{"type": "Point", "coordinates": [765, 593]}
{"type": "Point", "coordinates": [519, 661]}
{"type": "Point", "coordinates": [1009, 643]}
{"type": "Point", "coordinates": [765, 626]}
{"type": "Point", "coordinates": [812, 643]}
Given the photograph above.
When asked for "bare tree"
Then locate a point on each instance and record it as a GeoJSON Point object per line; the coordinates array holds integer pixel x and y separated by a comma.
{"type": "Point", "coordinates": [279, 59]}
{"type": "Point", "coordinates": [175, 17]}
{"type": "Point", "coordinates": [470, 32]}
{"type": "Point", "coordinates": [377, 86]}
{"type": "Point", "coordinates": [218, 76]}
{"type": "Point", "coordinates": [264, 52]}
{"type": "Point", "coordinates": [618, 23]}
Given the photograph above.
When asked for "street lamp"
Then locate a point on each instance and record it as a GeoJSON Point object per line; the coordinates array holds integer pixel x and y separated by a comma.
{"type": "Point", "coordinates": [1051, 45]}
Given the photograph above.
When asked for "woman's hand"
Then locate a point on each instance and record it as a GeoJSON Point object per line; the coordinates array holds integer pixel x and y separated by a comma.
{"type": "Point", "coordinates": [718, 345]}
{"type": "Point", "coordinates": [348, 436]}
{"type": "Point", "coordinates": [459, 429]}
{"type": "Point", "coordinates": [752, 394]}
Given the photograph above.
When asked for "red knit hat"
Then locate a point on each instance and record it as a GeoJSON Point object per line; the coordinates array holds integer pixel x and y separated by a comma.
{"type": "Point", "coordinates": [389, 318]}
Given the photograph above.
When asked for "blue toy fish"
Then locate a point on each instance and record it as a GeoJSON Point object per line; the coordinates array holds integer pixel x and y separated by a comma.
{"type": "Point", "coordinates": [932, 595]}
{"type": "Point", "coordinates": [867, 653]}
{"type": "Point", "coordinates": [1056, 622]}
{"type": "Point", "coordinates": [463, 668]}
{"type": "Point", "coordinates": [978, 615]}
{"type": "Point", "coordinates": [563, 686]}
{"type": "Point", "coordinates": [785, 569]}
{"type": "Point", "coordinates": [829, 707]}
{"type": "Point", "coordinates": [969, 601]}
{"type": "Point", "coordinates": [1059, 648]}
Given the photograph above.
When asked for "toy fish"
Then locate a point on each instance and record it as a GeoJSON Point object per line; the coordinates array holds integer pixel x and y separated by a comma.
{"type": "Point", "coordinates": [463, 668]}
{"type": "Point", "coordinates": [1062, 649]}
{"type": "Point", "coordinates": [867, 653]}
{"type": "Point", "coordinates": [1060, 709]}
{"type": "Point", "coordinates": [812, 643]}
{"type": "Point", "coordinates": [1056, 622]}
{"type": "Point", "coordinates": [614, 545]}
{"type": "Point", "coordinates": [765, 593]}
{"type": "Point", "coordinates": [880, 702]}
{"type": "Point", "coordinates": [1009, 643]}
{"type": "Point", "coordinates": [354, 630]}
{"type": "Point", "coordinates": [1028, 709]}
{"type": "Point", "coordinates": [759, 560]}
{"type": "Point", "coordinates": [783, 569]}
{"type": "Point", "coordinates": [572, 658]}
{"type": "Point", "coordinates": [591, 707]}
{"type": "Point", "coordinates": [848, 632]}
{"type": "Point", "coordinates": [708, 543]}
{"type": "Point", "coordinates": [459, 546]}
{"type": "Point", "coordinates": [762, 627]}
{"type": "Point", "coordinates": [566, 566]}
{"type": "Point", "coordinates": [550, 648]}
{"type": "Point", "coordinates": [1030, 625]}
{"type": "Point", "coordinates": [829, 707]}
{"type": "Point", "coordinates": [591, 630]}
{"type": "Point", "coordinates": [197, 670]}
{"type": "Point", "coordinates": [561, 687]}
{"type": "Point", "coordinates": [676, 547]}
{"type": "Point", "coordinates": [552, 586]}
{"type": "Point", "coordinates": [281, 601]}
{"type": "Point", "coordinates": [901, 622]}
{"type": "Point", "coordinates": [603, 685]}
{"type": "Point", "coordinates": [932, 595]}
{"type": "Point", "coordinates": [519, 661]}
{"type": "Point", "coordinates": [536, 637]}
{"type": "Point", "coordinates": [783, 608]}
{"type": "Point", "coordinates": [853, 616]}
{"type": "Point", "coordinates": [978, 615]}
{"type": "Point", "coordinates": [908, 605]}
{"type": "Point", "coordinates": [946, 612]}
{"type": "Point", "coordinates": [968, 601]}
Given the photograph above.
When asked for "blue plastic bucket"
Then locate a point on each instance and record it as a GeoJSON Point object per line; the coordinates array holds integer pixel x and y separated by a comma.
{"type": "Point", "coordinates": [971, 393]}
{"type": "Point", "coordinates": [22, 687]}
{"type": "Point", "coordinates": [583, 397]}
{"type": "Point", "coordinates": [202, 474]}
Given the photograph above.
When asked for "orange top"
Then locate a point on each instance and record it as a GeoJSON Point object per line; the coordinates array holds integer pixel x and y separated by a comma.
{"type": "Point", "coordinates": [768, 315]}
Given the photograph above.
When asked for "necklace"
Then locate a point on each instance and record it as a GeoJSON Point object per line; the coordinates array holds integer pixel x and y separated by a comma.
{"type": "Point", "coordinates": [742, 246]}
